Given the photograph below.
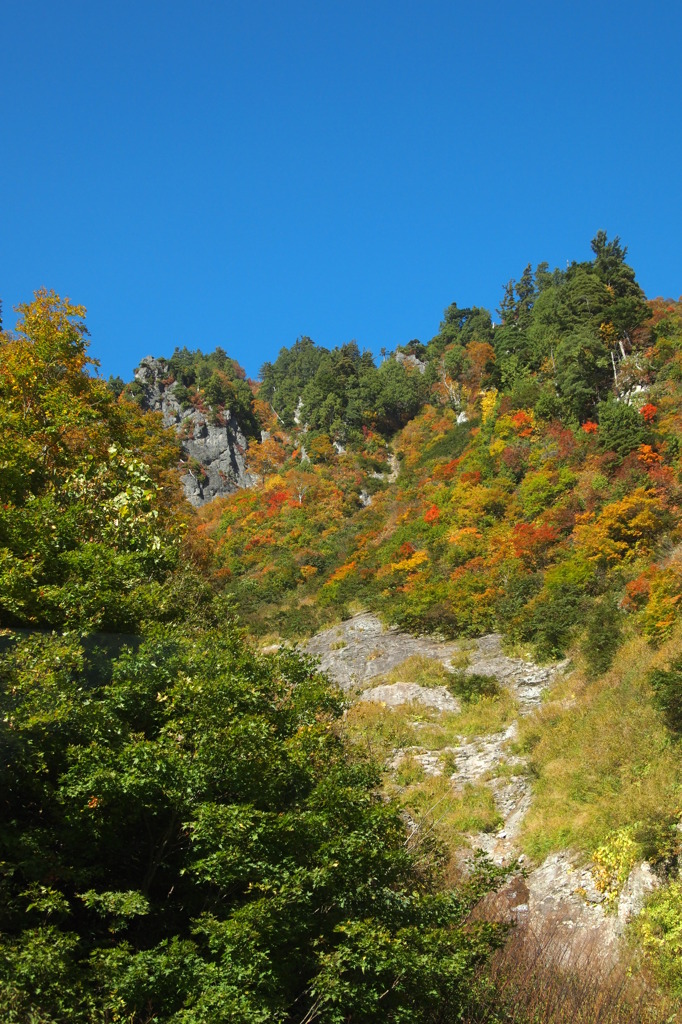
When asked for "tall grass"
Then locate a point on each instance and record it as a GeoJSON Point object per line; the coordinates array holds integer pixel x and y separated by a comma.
{"type": "Point", "coordinates": [530, 982]}
{"type": "Point", "coordinates": [383, 730]}
{"type": "Point", "coordinates": [602, 759]}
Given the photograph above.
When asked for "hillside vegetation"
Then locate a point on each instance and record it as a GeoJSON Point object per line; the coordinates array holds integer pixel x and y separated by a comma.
{"type": "Point", "coordinates": [191, 831]}
{"type": "Point", "coordinates": [538, 488]}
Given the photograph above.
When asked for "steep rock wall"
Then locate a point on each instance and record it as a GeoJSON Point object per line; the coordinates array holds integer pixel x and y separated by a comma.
{"type": "Point", "coordinates": [214, 452]}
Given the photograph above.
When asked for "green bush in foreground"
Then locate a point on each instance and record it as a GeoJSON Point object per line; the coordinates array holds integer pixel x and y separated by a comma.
{"type": "Point", "coordinates": [186, 838]}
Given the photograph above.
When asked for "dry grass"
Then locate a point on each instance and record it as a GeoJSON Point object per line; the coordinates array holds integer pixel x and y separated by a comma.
{"type": "Point", "coordinates": [534, 984]}
{"type": "Point", "coordinates": [438, 807]}
{"type": "Point", "coordinates": [418, 669]}
{"type": "Point", "coordinates": [602, 760]}
{"type": "Point", "coordinates": [383, 730]}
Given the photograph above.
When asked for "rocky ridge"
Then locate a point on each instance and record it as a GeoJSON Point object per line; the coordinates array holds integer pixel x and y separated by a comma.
{"type": "Point", "coordinates": [214, 463]}
{"type": "Point", "coordinates": [557, 896]}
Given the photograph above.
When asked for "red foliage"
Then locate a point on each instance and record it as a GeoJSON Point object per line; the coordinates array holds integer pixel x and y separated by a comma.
{"type": "Point", "coordinates": [662, 476]}
{"type": "Point", "coordinates": [589, 427]}
{"type": "Point", "coordinates": [512, 457]}
{"type": "Point", "coordinates": [564, 439]}
{"type": "Point", "coordinates": [637, 592]}
{"type": "Point", "coordinates": [523, 423]}
{"type": "Point", "coordinates": [475, 566]}
{"type": "Point", "coordinates": [473, 477]}
{"type": "Point", "coordinates": [276, 499]}
{"type": "Point", "coordinates": [447, 470]}
{"type": "Point", "coordinates": [530, 541]}
{"type": "Point", "coordinates": [432, 515]}
{"type": "Point", "coordinates": [406, 549]}
{"type": "Point", "coordinates": [649, 411]}
{"type": "Point", "coordinates": [564, 516]}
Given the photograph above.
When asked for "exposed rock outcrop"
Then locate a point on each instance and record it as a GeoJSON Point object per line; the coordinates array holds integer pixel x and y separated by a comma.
{"type": "Point", "coordinates": [394, 694]}
{"type": "Point", "coordinates": [361, 648]}
{"type": "Point", "coordinates": [408, 359]}
{"type": "Point", "coordinates": [214, 448]}
{"type": "Point", "coordinates": [556, 897]}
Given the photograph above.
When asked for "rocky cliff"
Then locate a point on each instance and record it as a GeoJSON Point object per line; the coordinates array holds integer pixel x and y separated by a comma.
{"type": "Point", "coordinates": [214, 447]}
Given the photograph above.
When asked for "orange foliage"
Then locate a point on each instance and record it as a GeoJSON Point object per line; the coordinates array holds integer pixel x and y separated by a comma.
{"type": "Point", "coordinates": [473, 477]}
{"type": "Point", "coordinates": [447, 470]}
{"type": "Point", "coordinates": [265, 457]}
{"type": "Point", "coordinates": [647, 455]}
{"type": "Point", "coordinates": [481, 360]}
{"type": "Point", "coordinates": [523, 423]}
{"type": "Point", "coordinates": [530, 542]}
{"type": "Point", "coordinates": [264, 414]}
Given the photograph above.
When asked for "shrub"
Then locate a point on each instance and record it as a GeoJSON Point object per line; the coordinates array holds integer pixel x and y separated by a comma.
{"type": "Point", "coordinates": [470, 686]}
{"type": "Point", "coordinates": [603, 634]}
{"type": "Point", "coordinates": [667, 686]}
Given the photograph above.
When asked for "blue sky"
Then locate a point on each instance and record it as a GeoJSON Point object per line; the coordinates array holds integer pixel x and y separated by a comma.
{"type": "Point", "coordinates": [242, 173]}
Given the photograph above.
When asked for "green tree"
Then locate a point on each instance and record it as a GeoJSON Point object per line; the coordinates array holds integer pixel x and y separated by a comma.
{"type": "Point", "coordinates": [621, 428]}
{"type": "Point", "coordinates": [89, 515]}
{"type": "Point", "coordinates": [628, 309]}
{"type": "Point", "coordinates": [186, 837]}
{"type": "Point", "coordinates": [583, 371]}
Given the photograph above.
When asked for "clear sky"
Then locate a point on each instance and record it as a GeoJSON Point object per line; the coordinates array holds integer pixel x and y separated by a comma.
{"type": "Point", "coordinates": [241, 173]}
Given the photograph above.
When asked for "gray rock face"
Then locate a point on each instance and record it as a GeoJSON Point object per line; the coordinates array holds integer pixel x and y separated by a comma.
{"type": "Point", "coordinates": [395, 694]}
{"type": "Point", "coordinates": [214, 463]}
{"type": "Point", "coordinates": [411, 361]}
{"type": "Point", "coordinates": [361, 648]}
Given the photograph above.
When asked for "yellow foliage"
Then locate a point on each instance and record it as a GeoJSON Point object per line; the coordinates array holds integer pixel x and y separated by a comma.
{"type": "Point", "coordinates": [488, 403]}
{"type": "Point", "coordinates": [612, 863]}
{"type": "Point", "coordinates": [607, 330]}
{"type": "Point", "coordinates": [411, 563]}
{"type": "Point", "coordinates": [624, 528]}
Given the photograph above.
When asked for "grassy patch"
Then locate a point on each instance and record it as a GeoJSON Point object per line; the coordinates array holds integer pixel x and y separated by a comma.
{"type": "Point", "coordinates": [603, 760]}
{"type": "Point", "coordinates": [437, 806]}
{"type": "Point", "coordinates": [488, 714]}
{"type": "Point", "coordinates": [418, 669]}
{"type": "Point", "coordinates": [382, 730]}
{"type": "Point", "coordinates": [410, 772]}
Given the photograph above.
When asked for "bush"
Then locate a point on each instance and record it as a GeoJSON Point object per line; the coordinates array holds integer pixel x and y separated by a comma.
{"type": "Point", "coordinates": [667, 686]}
{"type": "Point", "coordinates": [470, 686]}
{"type": "Point", "coordinates": [603, 634]}
{"type": "Point", "coordinates": [659, 931]}
{"type": "Point", "coordinates": [188, 838]}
